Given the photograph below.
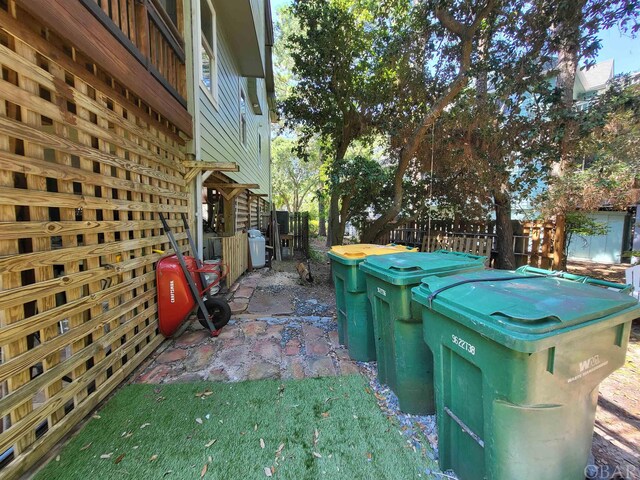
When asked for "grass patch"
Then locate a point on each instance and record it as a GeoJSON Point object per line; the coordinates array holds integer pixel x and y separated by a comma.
{"type": "Point", "coordinates": [151, 431]}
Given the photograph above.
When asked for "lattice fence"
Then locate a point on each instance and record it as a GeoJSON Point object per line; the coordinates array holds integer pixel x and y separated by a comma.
{"type": "Point", "coordinates": [84, 168]}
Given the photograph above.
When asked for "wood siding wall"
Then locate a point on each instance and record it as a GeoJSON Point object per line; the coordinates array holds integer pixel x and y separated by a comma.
{"type": "Point", "coordinates": [220, 125]}
{"type": "Point", "coordinates": [84, 170]}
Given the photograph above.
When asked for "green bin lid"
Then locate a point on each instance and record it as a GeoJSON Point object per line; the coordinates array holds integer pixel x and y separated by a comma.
{"type": "Point", "coordinates": [515, 308]}
{"type": "Point", "coordinates": [408, 269]}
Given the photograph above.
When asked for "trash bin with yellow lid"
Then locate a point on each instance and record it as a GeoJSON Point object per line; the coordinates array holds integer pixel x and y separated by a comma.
{"type": "Point", "coordinates": [355, 324]}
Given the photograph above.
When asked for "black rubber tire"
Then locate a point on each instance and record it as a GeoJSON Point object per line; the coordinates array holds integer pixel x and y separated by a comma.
{"type": "Point", "coordinates": [219, 311]}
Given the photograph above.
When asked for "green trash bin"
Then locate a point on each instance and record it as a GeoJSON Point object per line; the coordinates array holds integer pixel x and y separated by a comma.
{"type": "Point", "coordinates": [405, 362]}
{"type": "Point", "coordinates": [518, 360]}
{"type": "Point", "coordinates": [355, 329]}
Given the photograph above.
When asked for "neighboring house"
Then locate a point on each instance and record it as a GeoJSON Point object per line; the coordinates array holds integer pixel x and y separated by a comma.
{"type": "Point", "coordinates": [233, 98]}
{"type": "Point", "coordinates": [604, 248]}
{"type": "Point", "coordinates": [592, 82]}
{"type": "Point", "coordinates": [589, 84]}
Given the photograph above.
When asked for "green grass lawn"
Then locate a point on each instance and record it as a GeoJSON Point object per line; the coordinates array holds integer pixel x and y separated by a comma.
{"type": "Point", "coordinates": [315, 428]}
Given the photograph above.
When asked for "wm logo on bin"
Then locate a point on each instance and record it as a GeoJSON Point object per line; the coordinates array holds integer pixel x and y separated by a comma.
{"type": "Point", "coordinates": [589, 363]}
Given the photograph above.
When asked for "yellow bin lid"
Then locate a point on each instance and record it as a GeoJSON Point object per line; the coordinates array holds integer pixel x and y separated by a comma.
{"type": "Point", "coordinates": [360, 251]}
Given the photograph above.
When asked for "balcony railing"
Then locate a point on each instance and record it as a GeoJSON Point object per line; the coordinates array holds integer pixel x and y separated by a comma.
{"type": "Point", "coordinates": [148, 32]}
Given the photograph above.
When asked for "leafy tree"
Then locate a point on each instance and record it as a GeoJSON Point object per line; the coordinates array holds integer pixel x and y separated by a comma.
{"type": "Point", "coordinates": [294, 179]}
{"type": "Point", "coordinates": [606, 169]}
{"type": "Point", "coordinates": [575, 38]}
{"type": "Point", "coordinates": [432, 53]}
{"type": "Point", "coordinates": [333, 85]}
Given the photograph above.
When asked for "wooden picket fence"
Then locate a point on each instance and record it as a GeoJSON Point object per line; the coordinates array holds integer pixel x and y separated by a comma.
{"type": "Point", "coordinates": [299, 229]}
{"type": "Point", "coordinates": [532, 242]}
{"type": "Point", "coordinates": [235, 256]}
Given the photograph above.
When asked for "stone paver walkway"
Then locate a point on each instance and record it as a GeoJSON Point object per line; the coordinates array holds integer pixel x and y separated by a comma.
{"type": "Point", "coordinates": [252, 349]}
{"type": "Point", "coordinates": [264, 342]}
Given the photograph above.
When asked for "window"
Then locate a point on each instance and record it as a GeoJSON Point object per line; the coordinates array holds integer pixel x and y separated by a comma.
{"type": "Point", "coordinates": [243, 117]}
{"type": "Point", "coordinates": [209, 55]}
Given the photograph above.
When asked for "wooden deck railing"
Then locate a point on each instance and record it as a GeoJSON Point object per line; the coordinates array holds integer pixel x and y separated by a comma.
{"type": "Point", "coordinates": [151, 36]}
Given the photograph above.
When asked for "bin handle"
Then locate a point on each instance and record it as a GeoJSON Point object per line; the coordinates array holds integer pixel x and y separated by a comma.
{"type": "Point", "coordinates": [479, 280]}
{"type": "Point", "coordinates": [461, 254]}
{"type": "Point", "coordinates": [623, 288]}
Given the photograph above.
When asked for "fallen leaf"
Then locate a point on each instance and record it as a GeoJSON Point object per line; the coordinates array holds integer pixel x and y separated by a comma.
{"type": "Point", "coordinates": [267, 472]}
{"type": "Point", "coordinates": [135, 447]}
{"type": "Point", "coordinates": [144, 425]}
{"type": "Point", "coordinates": [58, 458]}
{"type": "Point", "coordinates": [159, 399]}
{"type": "Point", "coordinates": [261, 443]}
{"type": "Point", "coordinates": [255, 427]}
{"type": "Point", "coordinates": [279, 451]}
{"type": "Point", "coordinates": [316, 454]}
{"type": "Point", "coordinates": [106, 455]}
{"type": "Point", "coordinates": [167, 473]}
{"type": "Point", "coordinates": [129, 434]}
{"type": "Point", "coordinates": [210, 459]}
{"type": "Point", "coordinates": [210, 443]}
{"type": "Point", "coordinates": [355, 416]}
{"type": "Point", "coordinates": [369, 456]}
{"type": "Point", "coordinates": [368, 390]}
{"type": "Point", "coordinates": [96, 416]}
{"type": "Point", "coordinates": [204, 470]}
{"type": "Point", "coordinates": [119, 459]}
{"type": "Point", "coordinates": [207, 393]}
{"type": "Point", "coordinates": [86, 446]}
{"type": "Point", "coordinates": [199, 420]}
{"type": "Point", "coordinates": [326, 415]}
{"type": "Point", "coordinates": [153, 458]}
{"type": "Point", "coordinates": [316, 434]}
{"type": "Point", "coordinates": [331, 388]}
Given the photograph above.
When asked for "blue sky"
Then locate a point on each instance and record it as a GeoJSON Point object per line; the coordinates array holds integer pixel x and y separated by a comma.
{"type": "Point", "coordinates": [624, 50]}
{"type": "Point", "coordinates": [621, 47]}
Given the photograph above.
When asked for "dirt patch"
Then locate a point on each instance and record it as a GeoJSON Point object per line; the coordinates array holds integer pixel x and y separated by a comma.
{"type": "Point", "coordinates": [603, 271]}
{"type": "Point", "coordinates": [616, 439]}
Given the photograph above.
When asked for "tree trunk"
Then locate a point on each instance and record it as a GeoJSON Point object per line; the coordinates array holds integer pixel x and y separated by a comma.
{"type": "Point", "coordinates": [568, 32]}
{"type": "Point", "coordinates": [334, 238]}
{"type": "Point", "coordinates": [322, 221]}
{"type": "Point", "coordinates": [504, 231]}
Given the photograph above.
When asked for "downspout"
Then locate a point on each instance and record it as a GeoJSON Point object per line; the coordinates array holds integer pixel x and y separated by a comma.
{"type": "Point", "coordinates": [195, 102]}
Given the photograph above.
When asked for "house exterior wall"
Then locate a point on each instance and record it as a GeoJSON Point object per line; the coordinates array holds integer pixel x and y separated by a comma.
{"type": "Point", "coordinates": [220, 128]}
{"type": "Point", "coordinates": [601, 248]}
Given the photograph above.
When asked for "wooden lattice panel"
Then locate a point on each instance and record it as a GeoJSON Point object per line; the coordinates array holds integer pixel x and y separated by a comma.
{"type": "Point", "coordinates": [84, 171]}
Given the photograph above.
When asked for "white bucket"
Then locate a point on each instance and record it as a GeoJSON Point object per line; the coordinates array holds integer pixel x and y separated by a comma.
{"type": "Point", "coordinates": [213, 277]}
